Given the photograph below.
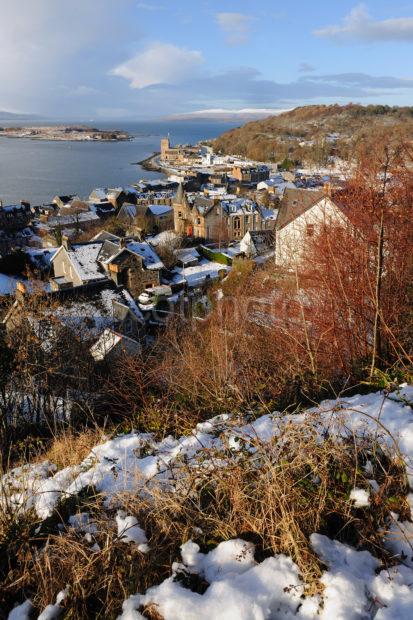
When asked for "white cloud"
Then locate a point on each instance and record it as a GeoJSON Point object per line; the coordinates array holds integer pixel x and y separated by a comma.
{"type": "Point", "coordinates": [359, 25]}
{"type": "Point", "coordinates": [236, 27]}
{"type": "Point", "coordinates": [47, 42]}
{"type": "Point", "coordinates": [160, 63]}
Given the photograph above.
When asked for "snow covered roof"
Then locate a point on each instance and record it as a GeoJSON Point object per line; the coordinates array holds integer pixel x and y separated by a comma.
{"type": "Point", "coordinates": [41, 257]}
{"type": "Point", "coordinates": [160, 209]}
{"type": "Point", "coordinates": [143, 249]}
{"type": "Point", "coordinates": [73, 219]}
{"type": "Point", "coordinates": [88, 314]}
{"type": "Point", "coordinates": [169, 237]}
{"type": "Point", "coordinates": [239, 206]}
{"type": "Point", "coordinates": [187, 254]}
{"type": "Point", "coordinates": [108, 341]}
{"type": "Point", "coordinates": [83, 257]}
{"type": "Point", "coordinates": [197, 275]}
{"type": "Point", "coordinates": [268, 214]}
{"type": "Point", "coordinates": [103, 235]}
{"type": "Point", "coordinates": [112, 247]}
{"type": "Point", "coordinates": [99, 194]}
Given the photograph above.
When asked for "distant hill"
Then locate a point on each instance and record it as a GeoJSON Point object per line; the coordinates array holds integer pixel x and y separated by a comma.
{"type": "Point", "coordinates": [218, 114]}
{"type": "Point", "coordinates": [315, 133]}
{"type": "Point", "coordinates": [12, 116]}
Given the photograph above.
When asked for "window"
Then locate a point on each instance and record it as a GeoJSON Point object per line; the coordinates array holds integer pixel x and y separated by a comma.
{"type": "Point", "coordinates": [198, 221]}
{"type": "Point", "coordinates": [179, 213]}
{"type": "Point", "coordinates": [128, 326]}
{"type": "Point", "coordinates": [237, 223]}
{"type": "Point", "coordinates": [310, 230]}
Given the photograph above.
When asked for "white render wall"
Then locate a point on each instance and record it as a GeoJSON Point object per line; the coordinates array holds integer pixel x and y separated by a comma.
{"type": "Point", "coordinates": [292, 240]}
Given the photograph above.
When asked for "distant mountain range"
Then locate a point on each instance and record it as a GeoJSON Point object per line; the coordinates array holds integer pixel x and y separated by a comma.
{"type": "Point", "coordinates": [221, 114]}
{"type": "Point", "coordinates": [13, 116]}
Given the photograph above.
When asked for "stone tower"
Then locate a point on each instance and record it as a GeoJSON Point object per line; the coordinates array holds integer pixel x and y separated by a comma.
{"type": "Point", "coordinates": [165, 146]}
{"type": "Point", "coordinates": [182, 212]}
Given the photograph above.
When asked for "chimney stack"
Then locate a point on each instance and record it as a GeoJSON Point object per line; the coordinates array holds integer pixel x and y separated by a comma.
{"type": "Point", "coordinates": [327, 190]}
{"type": "Point", "coordinates": [66, 242]}
{"type": "Point", "coordinates": [122, 242]}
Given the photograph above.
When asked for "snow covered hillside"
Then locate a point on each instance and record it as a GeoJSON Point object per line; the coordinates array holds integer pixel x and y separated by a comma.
{"type": "Point", "coordinates": [229, 579]}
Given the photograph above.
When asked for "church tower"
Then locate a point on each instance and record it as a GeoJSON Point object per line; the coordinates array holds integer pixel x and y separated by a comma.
{"type": "Point", "coordinates": [165, 147]}
{"type": "Point", "coordinates": [182, 212]}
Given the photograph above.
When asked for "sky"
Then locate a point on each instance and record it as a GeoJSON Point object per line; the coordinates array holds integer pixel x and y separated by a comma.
{"type": "Point", "coordinates": [132, 59]}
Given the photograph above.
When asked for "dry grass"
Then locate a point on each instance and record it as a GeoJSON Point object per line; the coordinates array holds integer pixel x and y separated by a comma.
{"type": "Point", "coordinates": [275, 494]}
{"type": "Point", "coordinates": [72, 448]}
{"type": "Point", "coordinates": [281, 492]}
{"type": "Point", "coordinates": [100, 578]}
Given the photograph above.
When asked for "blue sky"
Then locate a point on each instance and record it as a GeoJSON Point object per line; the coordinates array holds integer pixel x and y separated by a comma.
{"type": "Point", "coordinates": [147, 59]}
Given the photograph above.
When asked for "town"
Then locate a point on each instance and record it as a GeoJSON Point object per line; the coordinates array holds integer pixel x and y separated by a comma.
{"type": "Point", "coordinates": [206, 310]}
{"type": "Point", "coordinates": [141, 254]}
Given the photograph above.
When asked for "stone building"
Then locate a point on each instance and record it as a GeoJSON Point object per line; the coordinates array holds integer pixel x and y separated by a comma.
{"type": "Point", "coordinates": [219, 220]}
{"type": "Point", "coordinates": [15, 217]}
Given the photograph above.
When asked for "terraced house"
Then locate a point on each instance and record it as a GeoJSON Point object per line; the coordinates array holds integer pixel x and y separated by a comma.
{"type": "Point", "coordinates": [127, 262]}
{"type": "Point", "coordinates": [216, 219]}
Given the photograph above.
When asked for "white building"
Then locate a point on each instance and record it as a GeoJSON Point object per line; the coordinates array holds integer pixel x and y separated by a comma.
{"type": "Point", "coordinates": [301, 214]}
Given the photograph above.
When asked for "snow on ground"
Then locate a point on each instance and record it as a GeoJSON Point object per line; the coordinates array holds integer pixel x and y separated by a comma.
{"type": "Point", "coordinates": [240, 588]}
{"type": "Point", "coordinates": [129, 530]}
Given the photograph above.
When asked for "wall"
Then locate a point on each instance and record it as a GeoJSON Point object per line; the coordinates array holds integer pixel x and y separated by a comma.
{"type": "Point", "coordinates": [63, 268]}
{"type": "Point", "coordinates": [291, 241]}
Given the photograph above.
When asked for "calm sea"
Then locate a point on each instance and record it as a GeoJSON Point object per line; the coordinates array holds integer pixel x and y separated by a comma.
{"type": "Point", "coordinates": [36, 171]}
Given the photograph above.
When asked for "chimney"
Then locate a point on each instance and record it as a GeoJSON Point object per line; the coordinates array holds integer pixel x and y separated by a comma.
{"type": "Point", "coordinates": [21, 291]}
{"type": "Point", "coordinates": [66, 242]}
{"type": "Point", "coordinates": [327, 190]}
{"type": "Point", "coordinates": [122, 242]}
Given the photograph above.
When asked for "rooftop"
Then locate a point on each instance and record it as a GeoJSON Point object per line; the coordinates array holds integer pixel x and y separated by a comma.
{"type": "Point", "coordinates": [84, 260]}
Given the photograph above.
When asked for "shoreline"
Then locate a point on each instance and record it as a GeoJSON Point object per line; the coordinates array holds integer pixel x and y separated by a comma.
{"type": "Point", "coordinates": [65, 133]}
{"type": "Point", "coordinates": [57, 139]}
{"type": "Point", "coordinates": [148, 163]}
{"type": "Point", "coordinates": [152, 164]}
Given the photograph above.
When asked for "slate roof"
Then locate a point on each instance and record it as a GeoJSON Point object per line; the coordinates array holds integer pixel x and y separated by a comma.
{"type": "Point", "coordinates": [150, 258]}
{"type": "Point", "coordinates": [159, 209]}
{"type": "Point", "coordinates": [112, 248]}
{"type": "Point", "coordinates": [108, 341]}
{"type": "Point", "coordinates": [103, 235]}
{"type": "Point", "coordinates": [295, 202]}
{"type": "Point", "coordinates": [109, 248]}
{"type": "Point", "coordinates": [128, 210]}
{"type": "Point", "coordinates": [84, 260]}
